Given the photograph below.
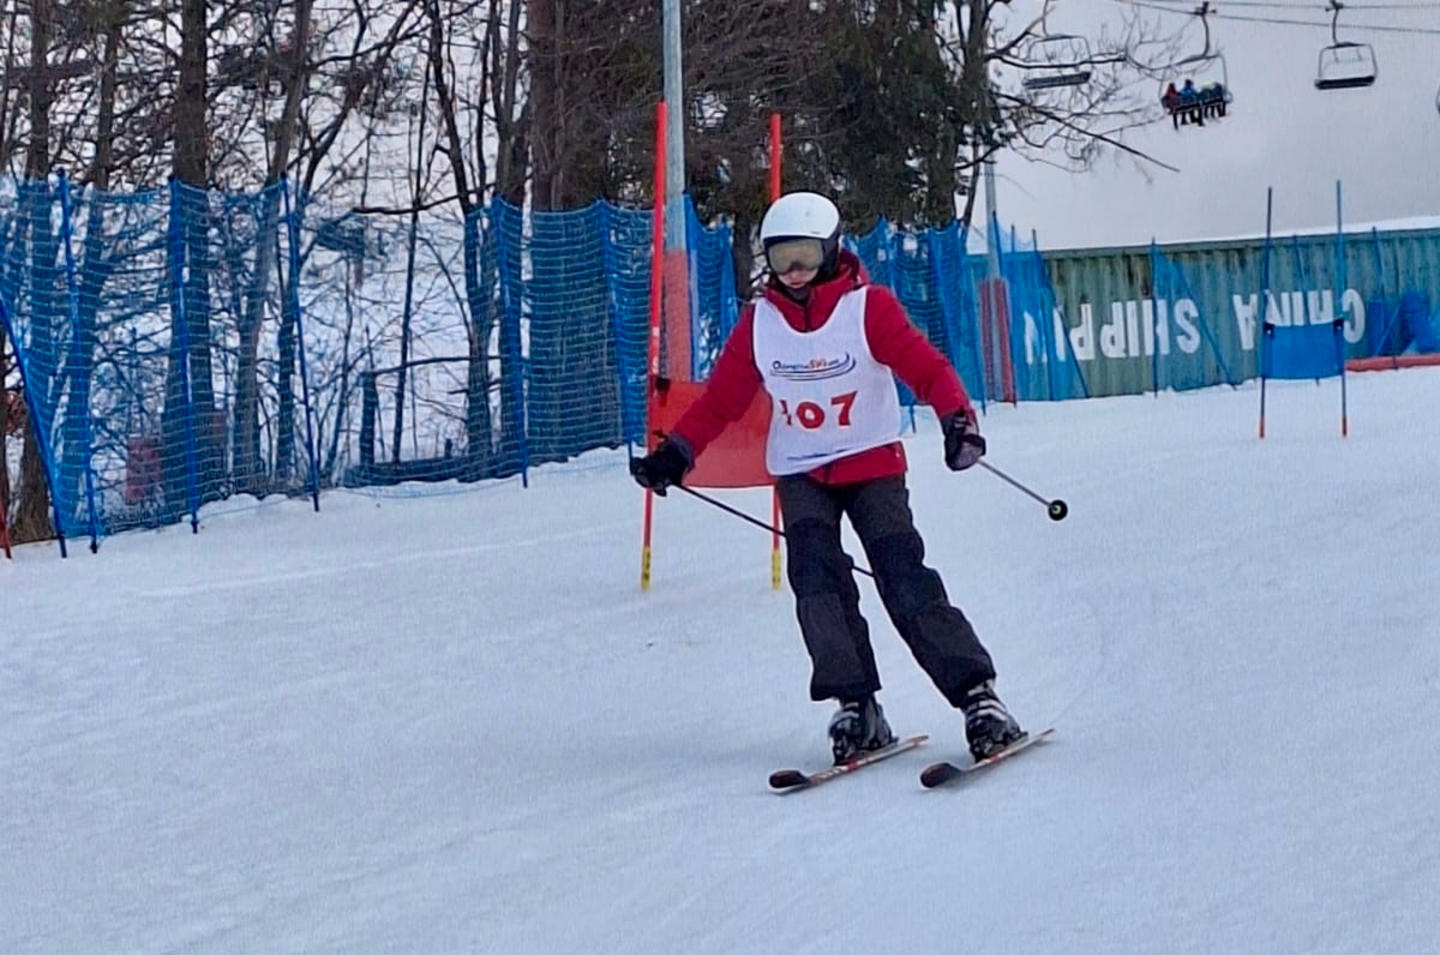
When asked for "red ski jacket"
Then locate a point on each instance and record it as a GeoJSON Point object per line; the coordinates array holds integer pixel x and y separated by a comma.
{"type": "Point", "coordinates": [893, 339]}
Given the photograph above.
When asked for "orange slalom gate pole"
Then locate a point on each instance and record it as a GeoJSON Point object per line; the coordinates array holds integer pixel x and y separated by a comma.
{"type": "Point", "coordinates": [657, 260]}
{"type": "Point", "coordinates": [775, 155]}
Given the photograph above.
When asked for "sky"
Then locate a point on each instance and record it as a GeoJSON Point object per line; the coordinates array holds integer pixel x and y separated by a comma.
{"type": "Point", "coordinates": [1382, 143]}
{"type": "Point", "coordinates": [440, 720]}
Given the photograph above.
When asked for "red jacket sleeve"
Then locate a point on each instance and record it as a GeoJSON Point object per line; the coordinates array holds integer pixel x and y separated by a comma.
{"type": "Point", "coordinates": [895, 341]}
{"type": "Point", "coordinates": [730, 390]}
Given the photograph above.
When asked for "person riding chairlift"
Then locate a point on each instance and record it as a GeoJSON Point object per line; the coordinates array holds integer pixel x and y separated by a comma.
{"type": "Point", "coordinates": [1190, 104]}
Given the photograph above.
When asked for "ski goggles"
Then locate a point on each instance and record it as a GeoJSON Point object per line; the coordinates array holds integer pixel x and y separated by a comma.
{"type": "Point", "coordinates": [788, 255]}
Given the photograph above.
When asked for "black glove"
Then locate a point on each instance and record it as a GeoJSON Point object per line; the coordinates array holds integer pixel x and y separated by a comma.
{"type": "Point", "coordinates": [963, 443]}
{"type": "Point", "coordinates": [665, 466]}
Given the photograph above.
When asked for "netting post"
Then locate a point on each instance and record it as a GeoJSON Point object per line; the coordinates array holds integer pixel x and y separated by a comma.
{"type": "Point", "coordinates": [1339, 324]}
{"type": "Point", "coordinates": [1265, 303]}
{"type": "Point", "coordinates": [1155, 316]}
{"type": "Point", "coordinates": [292, 229]}
{"type": "Point", "coordinates": [1007, 349]}
{"type": "Point", "coordinates": [1342, 279]}
{"type": "Point", "coordinates": [72, 295]}
{"type": "Point", "coordinates": [182, 324]}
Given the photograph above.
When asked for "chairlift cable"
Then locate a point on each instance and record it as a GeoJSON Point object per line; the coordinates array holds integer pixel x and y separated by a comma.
{"type": "Point", "coordinates": [1290, 5]}
{"type": "Point", "coordinates": [1417, 31]}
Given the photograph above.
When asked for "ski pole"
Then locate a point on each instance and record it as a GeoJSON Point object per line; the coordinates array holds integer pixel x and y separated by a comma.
{"type": "Point", "coordinates": [753, 520]}
{"type": "Point", "coordinates": [1056, 508]}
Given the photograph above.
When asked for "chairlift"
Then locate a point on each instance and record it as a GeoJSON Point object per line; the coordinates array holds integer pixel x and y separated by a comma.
{"type": "Point", "coordinates": [1057, 61]}
{"type": "Point", "coordinates": [1208, 92]}
{"type": "Point", "coordinates": [1344, 64]}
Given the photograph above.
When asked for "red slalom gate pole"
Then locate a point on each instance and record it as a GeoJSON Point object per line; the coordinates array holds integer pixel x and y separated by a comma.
{"type": "Point", "coordinates": [657, 290]}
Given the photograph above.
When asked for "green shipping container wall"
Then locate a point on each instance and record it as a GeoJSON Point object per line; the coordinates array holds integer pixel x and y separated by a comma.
{"type": "Point", "coordinates": [1186, 315]}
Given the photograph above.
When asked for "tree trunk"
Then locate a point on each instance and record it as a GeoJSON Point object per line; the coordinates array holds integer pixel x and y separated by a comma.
{"type": "Point", "coordinates": [94, 267]}
{"type": "Point", "coordinates": [477, 297]}
{"type": "Point", "coordinates": [248, 468]}
{"type": "Point", "coordinates": [32, 516]}
{"type": "Point", "coordinates": [342, 403]}
{"type": "Point", "coordinates": [544, 60]}
{"type": "Point", "coordinates": [7, 117]}
{"type": "Point", "coordinates": [4, 432]}
{"type": "Point", "coordinates": [191, 424]}
{"type": "Point", "coordinates": [512, 133]}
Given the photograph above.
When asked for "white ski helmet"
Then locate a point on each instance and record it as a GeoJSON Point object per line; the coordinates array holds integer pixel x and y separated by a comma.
{"type": "Point", "coordinates": [803, 215]}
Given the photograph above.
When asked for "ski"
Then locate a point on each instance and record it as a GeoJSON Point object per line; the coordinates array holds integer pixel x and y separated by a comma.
{"type": "Point", "coordinates": [790, 780]}
{"type": "Point", "coordinates": [938, 774]}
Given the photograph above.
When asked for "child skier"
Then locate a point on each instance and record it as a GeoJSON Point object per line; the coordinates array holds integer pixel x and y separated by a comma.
{"type": "Point", "coordinates": [824, 343]}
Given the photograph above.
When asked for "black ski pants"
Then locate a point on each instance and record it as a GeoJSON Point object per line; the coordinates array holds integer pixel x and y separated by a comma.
{"type": "Point", "coordinates": [827, 600]}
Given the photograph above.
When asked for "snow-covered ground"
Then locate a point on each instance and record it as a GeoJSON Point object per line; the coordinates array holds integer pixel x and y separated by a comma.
{"type": "Point", "coordinates": [456, 723]}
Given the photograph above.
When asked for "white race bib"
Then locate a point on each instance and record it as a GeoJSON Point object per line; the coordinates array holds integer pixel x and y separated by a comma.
{"type": "Point", "coordinates": [830, 398]}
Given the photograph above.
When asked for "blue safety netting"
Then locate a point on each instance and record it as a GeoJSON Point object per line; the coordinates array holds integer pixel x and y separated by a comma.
{"type": "Point", "coordinates": [628, 250]}
{"type": "Point", "coordinates": [1178, 321]}
{"type": "Point", "coordinates": [1043, 362]}
{"type": "Point", "coordinates": [181, 346]}
{"type": "Point", "coordinates": [149, 327]}
{"type": "Point", "coordinates": [714, 308]}
{"type": "Point", "coordinates": [930, 275]}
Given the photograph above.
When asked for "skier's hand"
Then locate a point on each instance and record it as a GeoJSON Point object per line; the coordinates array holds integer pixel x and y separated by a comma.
{"type": "Point", "coordinates": [963, 443]}
{"type": "Point", "coordinates": [665, 466]}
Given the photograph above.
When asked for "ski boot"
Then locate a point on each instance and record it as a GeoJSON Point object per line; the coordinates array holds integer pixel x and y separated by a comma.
{"type": "Point", "coordinates": [989, 727]}
{"type": "Point", "coordinates": [858, 727]}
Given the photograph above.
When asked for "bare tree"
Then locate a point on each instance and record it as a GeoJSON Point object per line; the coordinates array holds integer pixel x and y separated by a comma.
{"type": "Point", "coordinates": [468, 170]}
{"type": "Point", "coordinates": [511, 130]}
{"type": "Point", "coordinates": [8, 122]}
{"type": "Point", "coordinates": [32, 518]}
{"type": "Point", "coordinates": [192, 436]}
{"type": "Point", "coordinates": [1058, 99]}
{"type": "Point", "coordinates": [248, 470]}
{"type": "Point", "coordinates": [4, 429]}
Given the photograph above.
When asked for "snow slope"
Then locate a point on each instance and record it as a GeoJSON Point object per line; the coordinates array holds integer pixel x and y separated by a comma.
{"type": "Point", "coordinates": [456, 724]}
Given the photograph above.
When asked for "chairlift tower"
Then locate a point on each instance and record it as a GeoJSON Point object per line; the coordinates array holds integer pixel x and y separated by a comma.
{"type": "Point", "coordinates": [676, 287]}
{"type": "Point", "coordinates": [674, 130]}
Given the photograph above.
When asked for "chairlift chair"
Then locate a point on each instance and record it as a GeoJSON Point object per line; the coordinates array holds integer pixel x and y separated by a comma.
{"type": "Point", "coordinates": [1211, 80]}
{"type": "Point", "coordinates": [1205, 68]}
{"type": "Point", "coordinates": [1344, 64]}
{"type": "Point", "coordinates": [1196, 66]}
{"type": "Point", "coordinates": [1058, 61]}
